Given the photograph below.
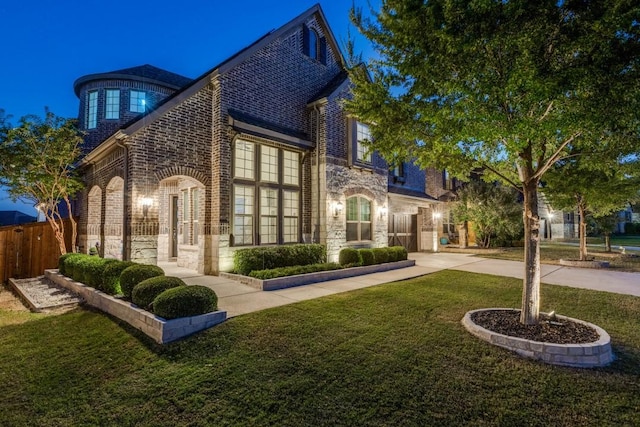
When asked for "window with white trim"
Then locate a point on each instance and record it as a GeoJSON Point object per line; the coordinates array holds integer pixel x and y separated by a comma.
{"type": "Point", "coordinates": [186, 214]}
{"type": "Point", "coordinates": [268, 164]}
{"type": "Point", "coordinates": [291, 166]}
{"type": "Point", "coordinates": [137, 101]}
{"type": "Point", "coordinates": [268, 215]}
{"type": "Point", "coordinates": [190, 229]}
{"type": "Point", "coordinates": [358, 218]}
{"type": "Point", "coordinates": [92, 109]}
{"type": "Point", "coordinates": [244, 160]}
{"type": "Point", "coordinates": [243, 199]}
{"type": "Point", "coordinates": [363, 133]}
{"type": "Point", "coordinates": [195, 228]}
{"type": "Point", "coordinates": [112, 104]}
{"type": "Point", "coordinates": [290, 208]}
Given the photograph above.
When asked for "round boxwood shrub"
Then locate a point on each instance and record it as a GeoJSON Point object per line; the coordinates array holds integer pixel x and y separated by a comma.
{"type": "Point", "coordinates": [146, 291]}
{"type": "Point", "coordinates": [94, 270]}
{"type": "Point", "coordinates": [381, 255]}
{"type": "Point", "coordinates": [367, 257]}
{"type": "Point", "coordinates": [185, 301]}
{"type": "Point", "coordinates": [111, 276]}
{"type": "Point", "coordinates": [73, 266]}
{"type": "Point", "coordinates": [64, 261]}
{"type": "Point", "coordinates": [349, 256]}
{"type": "Point", "coordinates": [135, 274]}
{"type": "Point", "coordinates": [400, 253]}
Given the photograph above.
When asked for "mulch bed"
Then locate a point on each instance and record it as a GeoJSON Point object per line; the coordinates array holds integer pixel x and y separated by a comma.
{"type": "Point", "coordinates": [507, 322]}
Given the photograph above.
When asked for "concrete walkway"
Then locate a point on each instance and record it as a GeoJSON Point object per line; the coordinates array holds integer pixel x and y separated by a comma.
{"type": "Point", "coordinates": [238, 299]}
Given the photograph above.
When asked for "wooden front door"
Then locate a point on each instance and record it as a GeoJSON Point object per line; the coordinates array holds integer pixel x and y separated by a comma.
{"type": "Point", "coordinates": [403, 231]}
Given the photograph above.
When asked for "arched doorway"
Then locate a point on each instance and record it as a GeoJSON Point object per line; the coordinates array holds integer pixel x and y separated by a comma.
{"type": "Point", "coordinates": [113, 226]}
{"type": "Point", "coordinates": [94, 218]}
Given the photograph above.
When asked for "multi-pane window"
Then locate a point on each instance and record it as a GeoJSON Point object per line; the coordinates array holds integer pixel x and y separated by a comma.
{"type": "Point", "coordinates": [358, 218]}
{"type": "Point", "coordinates": [243, 199]}
{"type": "Point", "coordinates": [186, 215]}
{"type": "Point", "coordinates": [266, 194]}
{"type": "Point", "coordinates": [291, 168]}
{"type": "Point", "coordinates": [290, 208]}
{"type": "Point", "coordinates": [112, 104]}
{"type": "Point", "coordinates": [244, 163]}
{"type": "Point", "coordinates": [268, 215]}
{"type": "Point", "coordinates": [195, 229]}
{"type": "Point", "coordinates": [363, 134]}
{"type": "Point", "coordinates": [137, 101]}
{"type": "Point", "coordinates": [269, 164]}
{"type": "Point", "coordinates": [92, 109]}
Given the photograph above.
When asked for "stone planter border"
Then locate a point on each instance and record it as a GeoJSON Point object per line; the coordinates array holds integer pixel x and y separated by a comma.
{"type": "Point", "coordinates": [160, 330]}
{"type": "Point", "coordinates": [320, 276]}
{"type": "Point", "coordinates": [589, 355]}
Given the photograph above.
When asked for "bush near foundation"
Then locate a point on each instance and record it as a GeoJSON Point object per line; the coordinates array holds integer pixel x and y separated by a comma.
{"type": "Point", "coordinates": [292, 271]}
{"type": "Point", "coordinates": [397, 253]}
{"type": "Point", "coordinates": [367, 256]}
{"type": "Point", "coordinates": [185, 301]}
{"type": "Point", "coordinates": [93, 270]}
{"type": "Point", "coordinates": [110, 283]}
{"type": "Point", "coordinates": [146, 291]}
{"type": "Point", "coordinates": [381, 255]}
{"type": "Point", "coordinates": [135, 274]}
{"type": "Point", "coordinates": [265, 258]}
{"type": "Point", "coordinates": [350, 256]}
{"type": "Point", "coordinates": [65, 261]}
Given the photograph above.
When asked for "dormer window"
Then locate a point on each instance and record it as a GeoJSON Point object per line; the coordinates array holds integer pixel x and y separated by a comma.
{"type": "Point", "coordinates": [363, 136]}
{"type": "Point", "coordinates": [137, 101]}
{"type": "Point", "coordinates": [313, 44]}
{"type": "Point", "coordinates": [92, 109]}
{"type": "Point", "coordinates": [398, 171]}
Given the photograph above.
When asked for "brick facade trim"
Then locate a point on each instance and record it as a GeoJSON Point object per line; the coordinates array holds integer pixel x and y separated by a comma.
{"type": "Point", "coordinates": [176, 170]}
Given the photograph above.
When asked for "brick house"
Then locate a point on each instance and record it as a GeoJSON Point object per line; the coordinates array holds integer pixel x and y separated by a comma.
{"type": "Point", "coordinates": [256, 151]}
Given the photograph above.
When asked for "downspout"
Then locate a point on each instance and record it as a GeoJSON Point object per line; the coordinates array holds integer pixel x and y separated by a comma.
{"type": "Point", "coordinates": [317, 114]}
{"type": "Point", "coordinates": [125, 200]}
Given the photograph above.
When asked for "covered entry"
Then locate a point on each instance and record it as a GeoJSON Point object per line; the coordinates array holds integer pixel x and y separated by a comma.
{"type": "Point", "coordinates": [403, 231]}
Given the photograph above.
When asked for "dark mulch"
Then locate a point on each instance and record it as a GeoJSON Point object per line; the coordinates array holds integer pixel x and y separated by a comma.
{"type": "Point", "coordinates": [507, 322]}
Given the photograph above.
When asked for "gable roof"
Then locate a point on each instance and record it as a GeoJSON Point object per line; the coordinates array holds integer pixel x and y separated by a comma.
{"type": "Point", "coordinates": [331, 87]}
{"type": "Point", "coordinates": [147, 72]}
{"type": "Point", "coordinates": [200, 82]}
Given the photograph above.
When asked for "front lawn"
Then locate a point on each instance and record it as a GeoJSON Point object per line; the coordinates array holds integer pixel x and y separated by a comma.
{"type": "Point", "coordinates": [552, 253]}
{"type": "Point", "coordinates": [393, 354]}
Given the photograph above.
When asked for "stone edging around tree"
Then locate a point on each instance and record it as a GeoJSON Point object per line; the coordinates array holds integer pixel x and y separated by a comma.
{"type": "Point", "coordinates": [160, 330]}
{"type": "Point", "coordinates": [320, 276]}
{"type": "Point", "coordinates": [589, 355]}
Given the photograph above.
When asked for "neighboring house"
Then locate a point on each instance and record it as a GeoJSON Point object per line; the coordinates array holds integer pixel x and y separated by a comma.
{"type": "Point", "coordinates": [15, 218]}
{"type": "Point", "coordinates": [256, 151]}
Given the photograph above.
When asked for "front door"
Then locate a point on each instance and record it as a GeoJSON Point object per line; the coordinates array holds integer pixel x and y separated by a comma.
{"type": "Point", "coordinates": [173, 233]}
{"type": "Point", "coordinates": [403, 231]}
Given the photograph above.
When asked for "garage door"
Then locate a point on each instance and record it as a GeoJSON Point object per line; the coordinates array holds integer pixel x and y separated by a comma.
{"type": "Point", "coordinates": [403, 231]}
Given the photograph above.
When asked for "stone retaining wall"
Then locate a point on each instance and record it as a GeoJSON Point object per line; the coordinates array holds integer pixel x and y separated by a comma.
{"type": "Point", "coordinates": [159, 329]}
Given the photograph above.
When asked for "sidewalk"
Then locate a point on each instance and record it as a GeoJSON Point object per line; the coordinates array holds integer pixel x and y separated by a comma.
{"type": "Point", "coordinates": [238, 299]}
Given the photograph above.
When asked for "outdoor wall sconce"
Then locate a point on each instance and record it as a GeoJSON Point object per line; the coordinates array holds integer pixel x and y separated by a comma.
{"type": "Point", "coordinates": [382, 211]}
{"type": "Point", "coordinates": [146, 203]}
{"type": "Point", "coordinates": [337, 209]}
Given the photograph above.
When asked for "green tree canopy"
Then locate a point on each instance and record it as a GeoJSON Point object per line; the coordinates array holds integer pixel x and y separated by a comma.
{"type": "Point", "coordinates": [506, 86]}
{"type": "Point", "coordinates": [37, 160]}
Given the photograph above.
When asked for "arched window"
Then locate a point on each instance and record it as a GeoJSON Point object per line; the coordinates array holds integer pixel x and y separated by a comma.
{"type": "Point", "coordinates": [313, 44]}
{"type": "Point", "coordinates": [358, 218]}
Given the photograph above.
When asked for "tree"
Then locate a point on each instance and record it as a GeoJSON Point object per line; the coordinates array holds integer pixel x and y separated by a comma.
{"type": "Point", "coordinates": [595, 187]}
{"type": "Point", "coordinates": [506, 86]}
{"type": "Point", "coordinates": [493, 211]}
{"type": "Point", "coordinates": [37, 164]}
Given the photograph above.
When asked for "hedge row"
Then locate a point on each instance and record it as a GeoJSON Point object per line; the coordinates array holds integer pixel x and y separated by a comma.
{"type": "Point", "coordinates": [144, 285]}
{"type": "Point", "coordinates": [266, 258]}
{"type": "Point", "coordinates": [292, 271]}
{"type": "Point", "coordinates": [354, 257]}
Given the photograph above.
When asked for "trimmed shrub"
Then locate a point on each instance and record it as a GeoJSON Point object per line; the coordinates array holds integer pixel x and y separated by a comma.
{"type": "Point", "coordinates": [62, 262]}
{"type": "Point", "coordinates": [111, 276]}
{"type": "Point", "coordinates": [135, 274]}
{"type": "Point", "coordinates": [72, 266]}
{"type": "Point", "coordinates": [349, 256]}
{"type": "Point", "coordinates": [292, 271]}
{"type": "Point", "coordinates": [266, 258]}
{"type": "Point", "coordinates": [381, 255]}
{"type": "Point", "coordinates": [185, 301]}
{"type": "Point", "coordinates": [401, 253]}
{"type": "Point", "coordinates": [367, 256]}
{"type": "Point", "coordinates": [146, 291]}
{"type": "Point", "coordinates": [93, 270]}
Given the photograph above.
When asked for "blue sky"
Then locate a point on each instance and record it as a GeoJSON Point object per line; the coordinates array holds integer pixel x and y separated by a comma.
{"type": "Point", "coordinates": [47, 45]}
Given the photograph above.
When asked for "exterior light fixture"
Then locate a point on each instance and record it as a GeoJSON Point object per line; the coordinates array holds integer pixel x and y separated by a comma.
{"type": "Point", "coordinates": [337, 208]}
{"type": "Point", "coordinates": [146, 203]}
{"type": "Point", "coordinates": [382, 211]}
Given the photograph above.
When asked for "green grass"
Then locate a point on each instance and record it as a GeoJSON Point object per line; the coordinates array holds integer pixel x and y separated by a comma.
{"type": "Point", "coordinates": [552, 253]}
{"type": "Point", "coordinates": [616, 240]}
{"type": "Point", "coordinates": [390, 355]}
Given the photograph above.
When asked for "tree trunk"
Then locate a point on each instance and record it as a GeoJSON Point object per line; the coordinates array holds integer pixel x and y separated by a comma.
{"type": "Point", "coordinates": [531, 287]}
{"type": "Point", "coordinates": [463, 239]}
{"type": "Point", "coordinates": [582, 231]}
{"type": "Point", "coordinates": [57, 232]}
{"type": "Point", "coordinates": [74, 225]}
{"type": "Point", "coordinates": [607, 242]}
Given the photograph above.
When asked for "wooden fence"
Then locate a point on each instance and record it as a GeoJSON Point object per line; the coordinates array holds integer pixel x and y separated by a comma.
{"type": "Point", "coordinates": [27, 250]}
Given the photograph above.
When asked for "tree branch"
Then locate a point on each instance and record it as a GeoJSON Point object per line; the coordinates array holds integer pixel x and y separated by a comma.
{"type": "Point", "coordinates": [501, 175]}
{"type": "Point", "coordinates": [546, 113]}
{"type": "Point", "coordinates": [554, 158]}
